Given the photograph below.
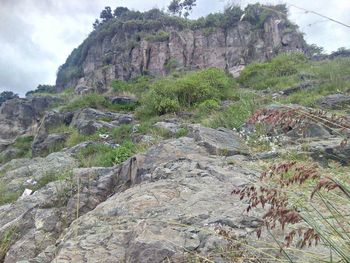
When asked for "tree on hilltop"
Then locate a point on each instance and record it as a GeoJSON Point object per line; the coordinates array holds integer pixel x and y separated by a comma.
{"type": "Point", "coordinates": [7, 95]}
{"type": "Point", "coordinates": [176, 7]}
{"type": "Point", "coordinates": [106, 14]}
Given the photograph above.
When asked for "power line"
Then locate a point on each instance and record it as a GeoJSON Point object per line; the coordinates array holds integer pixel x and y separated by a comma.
{"type": "Point", "coordinates": [318, 14]}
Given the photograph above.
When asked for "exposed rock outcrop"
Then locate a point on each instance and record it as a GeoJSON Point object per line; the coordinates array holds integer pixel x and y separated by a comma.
{"type": "Point", "coordinates": [120, 55]}
{"type": "Point", "coordinates": [22, 116]}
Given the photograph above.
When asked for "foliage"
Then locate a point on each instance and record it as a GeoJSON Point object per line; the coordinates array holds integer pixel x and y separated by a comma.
{"type": "Point", "coordinates": [276, 73]}
{"type": "Point", "coordinates": [42, 89]}
{"type": "Point", "coordinates": [159, 36]}
{"type": "Point", "coordinates": [122, 133]}
{"type": "Point", "coordinates": [181, 8]}
{"type": "Point", "coordinates": [7, 239]}
{"type": "Point", "coordinates": [155, 22]}
{"type": "Point", "coordinates": [106, 14]}
{"type": "Point", "coordinates": [172, 94]}
{"type": "Point", "coordinates": [306, 222]}
{"type": "Point", "coordinates": [120, 85]}
{"type": "Point", "coordinates": [235, 115]}
{"type": "Point", "coordinates": [22, 145]}
{"type": "Point", "coordinates": [93, 100]}
{"type": "Point", "coordinates": [7, 95]}
{"type": "Point", "coordinates": [104, 155]}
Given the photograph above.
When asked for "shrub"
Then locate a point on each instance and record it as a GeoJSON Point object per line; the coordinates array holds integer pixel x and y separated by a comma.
{"type": "Point", "coordinates": [119, 85]}
{"type": "Point", "coordinates": [122, 133]}
{"type": "Point", "coordinates": [104, 155]}
{"type": "Point", "coordinates": [207, 106]}
{"type": "Point", "coordinates": [171, 94]}
{"type": "Point", "coordinates": [92, 100]}
{"type": "Point", "coordinates": [159, 36]}
{"type": "Point", "coordinates": [235, 115]}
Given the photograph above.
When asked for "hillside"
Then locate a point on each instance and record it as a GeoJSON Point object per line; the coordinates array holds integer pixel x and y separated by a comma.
{"type": "Point", "coordinates": [153, 43]}
{"type": "Point", "coordinates": [184, 162]}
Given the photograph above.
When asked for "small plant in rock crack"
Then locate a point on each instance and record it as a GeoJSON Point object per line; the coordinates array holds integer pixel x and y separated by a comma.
{"type": "Point", "coordinates": [296, 204]}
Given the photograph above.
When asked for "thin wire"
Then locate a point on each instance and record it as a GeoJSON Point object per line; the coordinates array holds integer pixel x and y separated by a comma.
{"type": "Point", "coordinates": [316, 13]}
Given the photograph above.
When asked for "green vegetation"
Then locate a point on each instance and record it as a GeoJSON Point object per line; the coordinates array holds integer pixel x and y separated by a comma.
{"type": "Point", "coordinates": [172, 94]}
{"type": "Point", "coordinates": [151, 25]}
{"type": "Point", "coordinates": [294, 70]}
{"type": "Point", "coordinates": [102, 155]}
{"type": "Point", "coordinates": [280, 72]}
{"type": "Point", "coordinates": [42, 89]}
{"type": "Point", "coordinates": [7, 239]}
{"type": "Point", "coordinates": [7, 95]}
{"type": "Point", "coordinates": [236, 114]}
{"type": "Point", "coordinates": [21, 147]}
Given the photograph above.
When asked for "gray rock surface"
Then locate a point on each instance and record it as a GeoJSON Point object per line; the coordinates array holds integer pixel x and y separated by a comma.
{"type": "Point", "coordinates": [89, 120]}
{"type": "Point", "coordinates": [151, 207]}
{"type": "Point", "coordinates": [220, 141]}
{"type": "Point", "coordinates": [335, 101]}
{"type": "Point", "coordinates": [16, 173]}
{"type": "Point", "coordinates": [123, 100]}
{"type": "Point", "coordinates": [43, 141]}
{"type": "Point", "coordinates": [230, 49]}
{"type": "Point", "coordinates": [182, 195]}
{"type": "Point", "coordinates": [170, 126]}
{"type": "Point", "coordinates": [22, 116]}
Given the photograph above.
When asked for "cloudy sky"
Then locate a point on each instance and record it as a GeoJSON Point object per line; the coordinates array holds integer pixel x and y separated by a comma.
{"type": "Point", "coordinates": [36, 36]}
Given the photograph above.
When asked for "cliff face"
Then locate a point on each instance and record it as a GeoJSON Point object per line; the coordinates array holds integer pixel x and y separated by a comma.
{"type": "Point", "coordinates": [129, 53]}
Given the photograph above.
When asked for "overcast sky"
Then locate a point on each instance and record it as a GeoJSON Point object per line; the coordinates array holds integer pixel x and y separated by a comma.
{"type": "Point", "coordinates": [36, 36]}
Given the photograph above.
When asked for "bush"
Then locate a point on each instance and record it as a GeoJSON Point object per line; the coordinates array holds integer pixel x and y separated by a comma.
{"type": "Point", "coordinates": [208, 106]}
{"type": "Point", "coordinates": [122, 133]}
{"type": "Point", "coordinates": [171, 94]}
{"type": "Point", "coordinates": [92, 100]}
{"type": "Point", "coordinates": [102, 155]}
{"type": "Point", "coordinates": [119, 85]}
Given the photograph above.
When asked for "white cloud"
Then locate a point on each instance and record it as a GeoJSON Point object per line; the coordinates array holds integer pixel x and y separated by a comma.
{"type": "Point", "coordinates": [36, 36]}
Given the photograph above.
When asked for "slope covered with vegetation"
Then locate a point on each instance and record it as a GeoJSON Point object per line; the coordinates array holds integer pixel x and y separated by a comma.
{"type": "Point", "coordinates": [193, 166]}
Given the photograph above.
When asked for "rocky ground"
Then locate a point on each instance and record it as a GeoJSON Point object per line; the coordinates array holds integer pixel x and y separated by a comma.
{"type": "Point", "coordinates": [170, 203]}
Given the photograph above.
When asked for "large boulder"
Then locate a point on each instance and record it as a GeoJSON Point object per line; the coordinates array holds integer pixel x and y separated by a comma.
{"type": "Point", "coordinates": [169, 202]}
{"type": "Point", "coordinates": [335, 101]}
{"type": "Point", "coordinates": [89, 120]}
{"type": "Point", "coordinates": [22, 116]}
{"type": "Point", "coordinates": [43, 141]}
{"type": "Point", "coordinates": [20, 173]}
{"type": "Point", "coordinates": [38, 220]}
{"type": "Point", "coordinates": [123, 100]}
{"type": "Point", "coordinates": [221, 141]}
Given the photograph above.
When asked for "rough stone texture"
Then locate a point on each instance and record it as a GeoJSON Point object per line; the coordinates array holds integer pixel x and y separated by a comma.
{"type": "Point", "coordinates": [40, 218]}
{"type": "Point", "coordinates": [19, 173]}
{"type": "Point", "coordinates": [182, 195]}
{"type": "Point", "coordinates": [22, 116]}
{"type": "Point", "coordinates": [89, 120]}
{"type": "Point", "coordinates": [220, 142]}
{"type": "Point", "coordinates": [43, 140]}
{"type": "Point", "coordinates": [229, 49]}
{"type": "Point", "coordinates": [171, 126]}
{"type": "Point", "coordinates": [123, 100]}
{"type": "Point", "coordinates": [330, 149]}
{"type": "Point", "coordinates": [335, 101]}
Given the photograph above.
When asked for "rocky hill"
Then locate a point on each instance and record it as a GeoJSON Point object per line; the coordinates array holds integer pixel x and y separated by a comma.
{"type": "Point", "coordinates": [194, 166]}
{"type": "Point", "coordinates": [153, 43]}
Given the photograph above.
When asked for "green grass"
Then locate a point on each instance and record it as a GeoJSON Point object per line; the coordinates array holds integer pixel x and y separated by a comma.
{"type": "Point", "coordinates": [7, 239]}
{"type": "Point", "coordinates": [179, 92]}
{"type": "Point", "coordinates": [101, 155]}
{"type": "Point", "coordinates": [235, 115]}
{"type": "Point", "coordinates": [23, 145]}
{"type": "Point", "coordinates": [293, 69]}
